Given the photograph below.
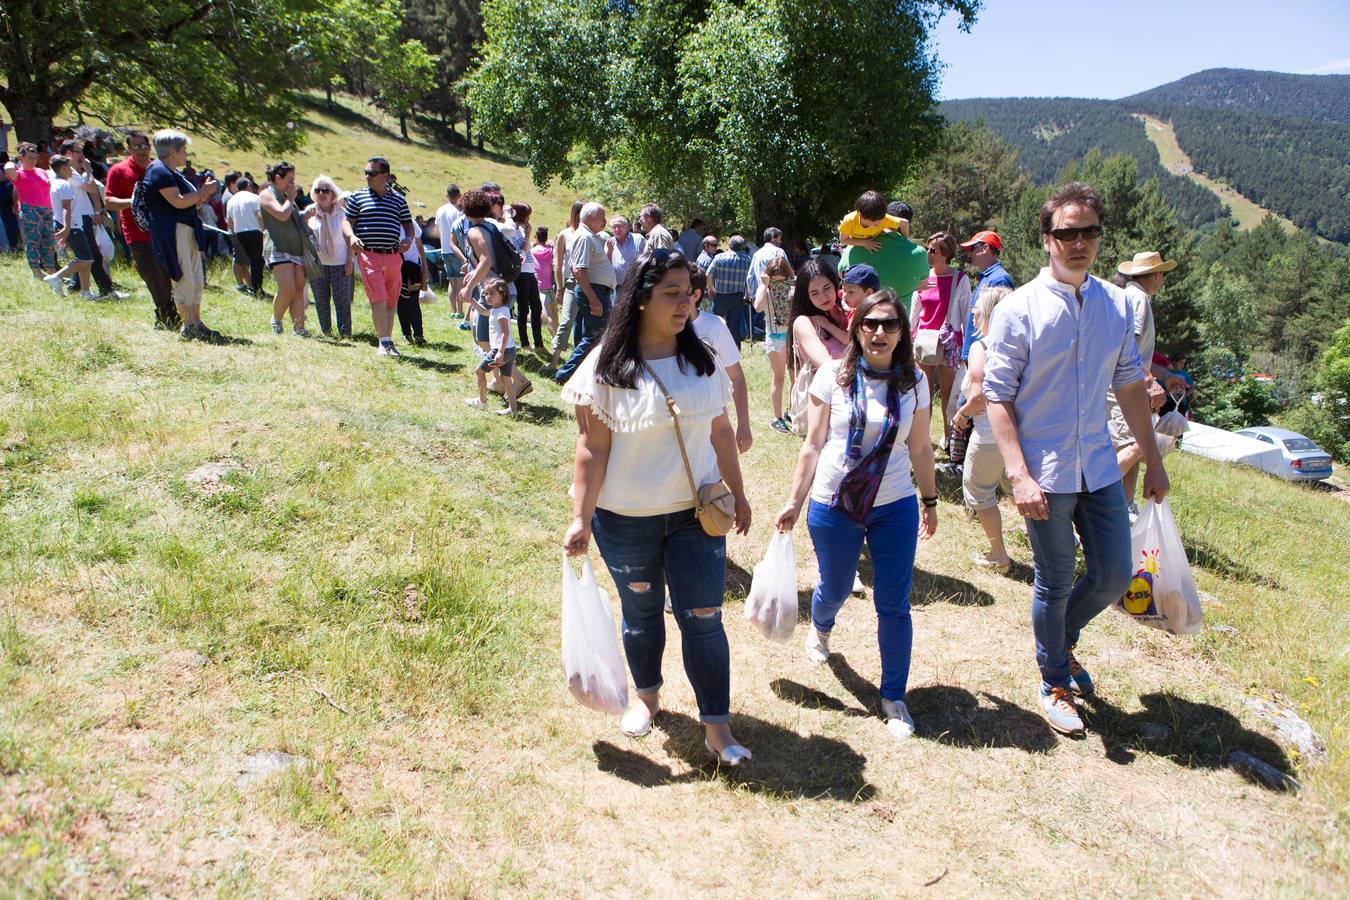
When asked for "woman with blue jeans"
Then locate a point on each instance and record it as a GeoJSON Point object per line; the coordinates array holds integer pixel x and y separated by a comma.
{"type": "Point", "coordinates": [868, 418]}
{"type": "Point", "coordinates": [632, 491]}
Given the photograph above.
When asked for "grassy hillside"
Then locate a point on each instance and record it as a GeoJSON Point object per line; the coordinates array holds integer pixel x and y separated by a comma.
{"type": "Point", "coordinates": [298, 546]}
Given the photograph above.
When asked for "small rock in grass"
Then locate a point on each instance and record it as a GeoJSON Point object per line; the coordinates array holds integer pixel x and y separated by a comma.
{"type": "Point", "coordinates": [208, 478]}
{"type": "Point", "coordinates": [258, 766]}
{"type": "Point", "coordinates": [1224, 629]}
{"type": "Point", "coordinates": [1265, 773]}
{"type": "Point", "coordinates": [1290, 728]}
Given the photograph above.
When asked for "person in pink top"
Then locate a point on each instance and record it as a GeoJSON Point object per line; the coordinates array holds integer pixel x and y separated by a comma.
{"type": "Point", "coordinates": [937, 319]}
{"type": "Point", "coordinates": [33, 184]}
{"type": "Point", "coordinates": [542, 251]}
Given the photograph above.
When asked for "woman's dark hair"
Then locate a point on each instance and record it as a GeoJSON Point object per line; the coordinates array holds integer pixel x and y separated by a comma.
{"type": "Point", "coordinates": [620, 362]}
{"type": "Point", "coordinates": [574, 215]}
{"type": "Point", "coordinates": [541, 234]}
{"type": "Point", "coordinates": [476, 204]}
{"type": "Point", "coordinates": [279, 170]}
{"type": "Point", "coordinates": [520, 213]}
{"type": "Point", "coordinates": [902, 358]}
{"type": "Point", "coordinates": [807, 272]}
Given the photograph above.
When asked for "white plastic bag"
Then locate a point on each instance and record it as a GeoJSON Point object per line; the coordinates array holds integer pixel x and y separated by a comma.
{"type": "Point", "coordinates": [771, 605]}
{"type": "Point", "coordinates": [1162, 593]}
{"type": "Point", "coordinates": [596, 675]}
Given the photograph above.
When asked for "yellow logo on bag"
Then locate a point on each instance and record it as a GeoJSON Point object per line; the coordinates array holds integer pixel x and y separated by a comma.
{"type": "Point", "coordinates": [1139, 598]}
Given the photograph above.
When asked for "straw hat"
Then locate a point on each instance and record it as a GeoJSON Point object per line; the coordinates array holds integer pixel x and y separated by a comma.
{"type": "Point", "coordinates": [1146, 264]}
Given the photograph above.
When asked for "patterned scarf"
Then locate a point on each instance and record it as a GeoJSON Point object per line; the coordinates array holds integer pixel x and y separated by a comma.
{"type": "Point", "coordinates": [857, 417]}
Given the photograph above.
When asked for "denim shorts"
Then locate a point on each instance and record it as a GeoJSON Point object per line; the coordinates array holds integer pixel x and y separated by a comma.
{"type": "Point", "coordinates": [775, 342]}
{"type": "Point", "coordinates": [507, 355]}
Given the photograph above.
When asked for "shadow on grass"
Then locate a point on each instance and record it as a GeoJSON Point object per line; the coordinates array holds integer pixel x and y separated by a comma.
{"type": "Point", "coordinates": [1194, 735]}
{"type": "Point", "coordinates": [1207, 556]}
{"type": "Point", "coordinates": [432, 365]}
{"type": "Point", "coordinates": [811, 698]}
{"type": "Point", "coordinates": [955, 717]}
{"type": "Point", "coordinates": [738, 581]}
{"type": "Point", "coordinates": [784, 764]}
{"type": "Point", "coordinates": [539, 415]}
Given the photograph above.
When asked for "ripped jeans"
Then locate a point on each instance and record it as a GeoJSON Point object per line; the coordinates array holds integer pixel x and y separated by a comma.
{"type": "Point", "coordinates": [645, 554]}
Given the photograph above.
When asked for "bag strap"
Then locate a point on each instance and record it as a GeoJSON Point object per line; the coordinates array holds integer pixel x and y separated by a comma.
{"type": "Point", "coordinates": [679, 436]}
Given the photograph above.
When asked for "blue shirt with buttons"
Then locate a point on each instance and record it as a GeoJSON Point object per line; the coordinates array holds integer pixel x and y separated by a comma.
{"type": "Point", "coordinates": [994, 276]}
{"type": "Point", "coordinates": [1052, 357]}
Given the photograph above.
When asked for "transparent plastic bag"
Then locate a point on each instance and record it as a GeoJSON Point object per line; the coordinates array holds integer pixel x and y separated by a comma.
{"type": "Point", "coordinates": [595, 670]}
{"type": "Point", "coordinates": [771, 605]}
{"type": "Point", "coordinates": [1162, 593]}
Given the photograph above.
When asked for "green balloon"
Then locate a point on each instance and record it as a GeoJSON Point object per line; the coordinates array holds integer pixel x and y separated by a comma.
{"type": "Point", "coordinates": [901, 264]}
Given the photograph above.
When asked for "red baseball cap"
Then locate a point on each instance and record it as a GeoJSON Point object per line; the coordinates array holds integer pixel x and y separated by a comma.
{"type": "Point", "coordinates": [985, 237]}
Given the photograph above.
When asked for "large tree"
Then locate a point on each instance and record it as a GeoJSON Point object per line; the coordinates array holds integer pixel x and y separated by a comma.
{"type": "Point", "coordinates": [214, 67]}
{"type": "Point", "coordinates": [781, 111]}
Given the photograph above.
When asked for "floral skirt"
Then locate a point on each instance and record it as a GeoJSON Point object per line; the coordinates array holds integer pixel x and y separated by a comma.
{"type": "Point", "coordinates": [39, 236]}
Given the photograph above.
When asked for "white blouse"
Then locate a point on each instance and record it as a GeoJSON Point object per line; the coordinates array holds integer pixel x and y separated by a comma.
{"type": "Point", "coordinates": [645, 475]}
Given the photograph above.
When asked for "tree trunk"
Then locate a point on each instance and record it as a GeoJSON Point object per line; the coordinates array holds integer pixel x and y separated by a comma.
{"type": "Point", "coordinates": [32, 115]}
{"type": "Point", "coordinates": [328, 96]}
{"type": "Point", "coordinates": [468, 127]}
{"type": "Point", "coordinates": [403, 125]}
{"type": "Point", "coordinates": [769, 209]}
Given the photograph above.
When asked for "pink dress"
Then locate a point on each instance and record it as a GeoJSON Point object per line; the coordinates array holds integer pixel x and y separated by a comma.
{"type": "Point", "coordinates": [543, 266]}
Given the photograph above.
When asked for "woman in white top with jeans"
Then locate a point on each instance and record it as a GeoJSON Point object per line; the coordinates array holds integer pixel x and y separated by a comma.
{"type": "Point", "coordinates": [631, 489]}
{"type": "Point", "coordinates": [868, 418]}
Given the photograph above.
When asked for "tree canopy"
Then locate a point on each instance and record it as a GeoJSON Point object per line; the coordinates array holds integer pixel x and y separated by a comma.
{"type": "Point", "coordinates": [737, 109]}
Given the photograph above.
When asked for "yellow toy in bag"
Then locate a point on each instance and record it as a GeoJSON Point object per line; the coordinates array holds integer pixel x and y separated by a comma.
{"type": "Point", "coordinates": [1162, 592]}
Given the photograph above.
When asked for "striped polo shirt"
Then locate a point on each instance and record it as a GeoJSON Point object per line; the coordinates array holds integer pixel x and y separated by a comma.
{"type": "Point", "coordinates": [378, 221]}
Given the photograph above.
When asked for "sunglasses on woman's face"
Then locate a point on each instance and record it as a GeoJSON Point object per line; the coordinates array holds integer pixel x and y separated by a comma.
{"type": "Point", "coordinates": [872, 326]}
{"type": "Point", "coordinates": [933, 250]}
{"type": "Point", "coordinates": [322, 190]}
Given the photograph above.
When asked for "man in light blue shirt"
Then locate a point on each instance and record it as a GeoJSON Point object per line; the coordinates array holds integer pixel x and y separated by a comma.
{"type": "Point", "coordinates": [982, 250]}
{"type": "Point", "coordinates": [1054, 347]}
{"type": "Point", "coordinates": [624, 246]}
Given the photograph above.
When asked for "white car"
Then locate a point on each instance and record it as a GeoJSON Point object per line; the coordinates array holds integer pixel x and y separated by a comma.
{"type": "Point", "coordinates": [1303, 459]}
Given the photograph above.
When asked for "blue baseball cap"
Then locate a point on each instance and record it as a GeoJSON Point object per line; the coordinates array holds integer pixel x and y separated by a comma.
{"type": "Point", "coordinates": [863, 274]}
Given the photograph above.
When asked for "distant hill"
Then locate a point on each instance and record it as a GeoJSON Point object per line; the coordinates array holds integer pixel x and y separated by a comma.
{"type": "Point", "coordinates": [1323, 98]}
{"type": "Point", "coordinates": [1050, 133]}
{"type": "Point", "coordinates": [1282, 141]}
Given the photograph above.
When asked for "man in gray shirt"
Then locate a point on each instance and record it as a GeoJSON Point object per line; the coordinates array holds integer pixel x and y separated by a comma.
{"type": "Point", "coordinates": [590, 265]}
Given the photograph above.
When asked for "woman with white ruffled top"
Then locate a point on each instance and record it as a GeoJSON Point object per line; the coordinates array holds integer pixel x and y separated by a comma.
{"type": "Point", "coordinates": [632, 491]}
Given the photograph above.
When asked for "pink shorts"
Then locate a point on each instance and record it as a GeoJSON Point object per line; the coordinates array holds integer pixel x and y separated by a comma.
{"type": "Point", "coordinates": [382, 276]}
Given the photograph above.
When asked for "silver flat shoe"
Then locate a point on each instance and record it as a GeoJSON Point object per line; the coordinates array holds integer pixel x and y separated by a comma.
{"type": "Point", "coordinates": [732, 755]}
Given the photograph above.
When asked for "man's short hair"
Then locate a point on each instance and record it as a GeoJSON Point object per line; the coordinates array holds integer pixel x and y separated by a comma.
{"type": "Point", "coordinates": [243, 184]}
{"type": "Point", "coordinates": [871, 205]}
{"type": "Point", "coordinates": [279, 170]}
{"type": "Point", "coordinates": [709, 240]}
{"type": "Point", "coordinates": [136, 134]}
{"type": "Point", "coordinates": [68, 147]}
{"type": "Point", "coordinates": [591, 209]}
{"type": "Point", "coordinates": [698, 280]}
{"type": "Point", "coordinates": [737, 244]}
{"type": "Point", "coordinates": [231, 178]}
{"type": "Point", "coordinates": [58, 162]}
{"type": "Point", "coordinates": [490, 187]}
{"type": "Point", "coordinates": [380, 163]}
{"type": "Point", "coordinates": [477, 204]}
{"type": "Point", "coordinates": [772, 235]}
{"type": "Point", "coordinates": [1075, 193]}
{"type": "Point", "coordinates": [619, 218]}
{"type": "Point", "coordinates": [697, 223]}
{"type": "Point", "coordinates": [654, 211]}
{"type": "Point", "coordinates": [452, 192]}
{"type": "Point", "coordinates": [901, 210]}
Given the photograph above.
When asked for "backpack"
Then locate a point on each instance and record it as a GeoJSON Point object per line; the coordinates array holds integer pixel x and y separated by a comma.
{"type": "Point", "coordinates": [140, 205]}
{"type": "Point", "coordinates": [506, 260]}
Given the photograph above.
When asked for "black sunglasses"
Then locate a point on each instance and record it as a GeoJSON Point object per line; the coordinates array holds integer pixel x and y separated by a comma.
{"type": "Point", "coordinates": [871, 326]}
{"type": "Point", "coordinates": [323, 190]}
{"type": "Point", "coordinates": [371, 173]}
{"type": "Point", "coordinates": [1087, 233]}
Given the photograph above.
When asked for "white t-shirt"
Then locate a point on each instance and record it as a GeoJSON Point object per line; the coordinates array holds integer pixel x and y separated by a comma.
{"type": "Point", "coordinates": [645, 476]}
{"type": "Point", "coordinates": [713, 331]}
{"type": "Point", "coordinates": [244, 213]}
{"type": "Point", "coordinates": [447, 219]}
{"type": "Point", "coordinates": [411, 254]}
{"type": "Point", "coordinates": [896, 484]}
{"type": "Point", "coordinates": [496, 316]}
{"type": "Point", "coordinates": [516, 237]}
{"type": "Point", "coordinates": [84, 204]}
{"type": "Point", "coordinates": [62, 191]}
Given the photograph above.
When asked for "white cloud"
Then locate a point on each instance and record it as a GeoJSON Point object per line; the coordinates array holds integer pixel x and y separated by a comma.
{"type": "Point", "coordinates": [1340, 65]}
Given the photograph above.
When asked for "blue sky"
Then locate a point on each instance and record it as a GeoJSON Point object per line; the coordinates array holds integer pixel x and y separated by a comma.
{"type": "Point", "coordinates": [1114, 48]}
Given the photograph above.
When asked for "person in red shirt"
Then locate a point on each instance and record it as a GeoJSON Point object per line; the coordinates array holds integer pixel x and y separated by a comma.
{"type": "Point", "coordinates": [118, 190]}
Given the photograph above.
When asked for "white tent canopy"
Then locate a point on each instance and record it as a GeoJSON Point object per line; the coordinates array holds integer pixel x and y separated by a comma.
{"type": "Point", "coordinates": [1225, 446]}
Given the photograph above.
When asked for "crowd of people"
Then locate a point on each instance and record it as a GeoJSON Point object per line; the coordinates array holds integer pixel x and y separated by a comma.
{"type": "Point", "coordinates": [1047, 391]}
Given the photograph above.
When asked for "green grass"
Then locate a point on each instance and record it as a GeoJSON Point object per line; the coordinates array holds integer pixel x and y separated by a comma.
{"type": "Point", "coordinates": [378, 541]}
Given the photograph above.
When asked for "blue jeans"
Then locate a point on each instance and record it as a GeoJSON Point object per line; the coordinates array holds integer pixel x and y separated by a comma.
{"type": "Point", "coordinates": [644, 555]}
{"type": "Point", "coordinates": [592, 326]}
{"type": "Point", "coordinates": [892, 532]}
{"type": "Point", "coordinates": [1060, 606]}
{"type": "Point", "coordinates": [731, 307]}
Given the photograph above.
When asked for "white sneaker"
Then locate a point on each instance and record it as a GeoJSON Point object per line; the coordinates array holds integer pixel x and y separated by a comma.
{"type": "Point", "coordinates": [54, 282]}
{"type": "Point", "coordinates": [637, 719]}
{"type": "Point", "coordinates": [898, 722]}
{"type": "Point", "coordinates": [113, 295]}
{"type": "Point", "coordinates": [87, 295]}
{"type": "Point", "coordinates": [817, 646]}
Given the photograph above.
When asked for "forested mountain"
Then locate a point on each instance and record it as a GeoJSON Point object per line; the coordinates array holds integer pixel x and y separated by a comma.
{"type": "Point", "coordinates": [1325, 98]}
{"type": "Point", "coordinates": [1050, 133]}
{"type": "Point", "coordinates": [1282, 141]}
{"type": "Point", "coordinates": [1294, 166]}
